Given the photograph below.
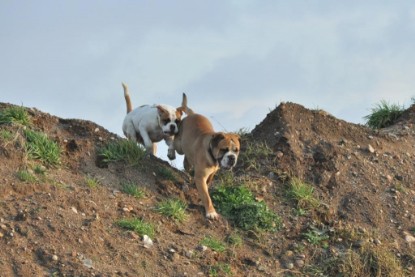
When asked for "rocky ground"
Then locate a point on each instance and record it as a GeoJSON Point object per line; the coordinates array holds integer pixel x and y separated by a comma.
{"type": "Point", "coordinates": [60, 225]}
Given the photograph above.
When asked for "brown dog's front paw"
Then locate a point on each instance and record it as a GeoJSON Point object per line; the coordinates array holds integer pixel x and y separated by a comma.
{"type": "Point", "coordinates": [212, 215]}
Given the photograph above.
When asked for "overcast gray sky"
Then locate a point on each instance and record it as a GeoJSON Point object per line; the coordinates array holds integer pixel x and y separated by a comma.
{"type": "Point", "coordinates": [236, 60]}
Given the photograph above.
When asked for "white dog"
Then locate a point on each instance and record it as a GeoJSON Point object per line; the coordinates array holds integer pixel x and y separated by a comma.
{"type": "Point", "coordinates": [150, 124]}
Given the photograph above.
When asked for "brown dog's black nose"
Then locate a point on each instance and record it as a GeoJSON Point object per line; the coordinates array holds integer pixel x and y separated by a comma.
{"type": "Point", "coordinates": [231, 160]}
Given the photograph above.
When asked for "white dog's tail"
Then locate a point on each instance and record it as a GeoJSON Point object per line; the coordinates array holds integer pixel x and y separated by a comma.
{"type": "Point", "coordinates": [127, 98]}
{"type": "Point", "coordinates": [184, 106]}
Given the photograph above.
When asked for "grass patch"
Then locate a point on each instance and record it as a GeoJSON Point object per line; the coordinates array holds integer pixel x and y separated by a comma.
{"type": "Point", "coordinates": [173, 208]}
{"type": "Point", "coordinates": [133, 190]}
{"type": "Point", "coordinates": [253, 153]}
{"type": "Point", "coordinates": [137, 225]}
{"type": "Point", "coordinates": [166, 173]}
{"type": "Point", "coordinates": [91, 182]}
{"type": "Point", "coordinates": [317, 237]}
{"type": "Point", "coordinates": [234, 240]}
{"type": "Point", "coordinates": [26, 176]}
{"type": "Point", "coordinates": [369, 260]}
{"type": "Point", "coordinates": [383, 115]}
{"type": "Point", "coordinates": [14, 114]}
{"type": "Point", "coordinates": [214, 244]}
{"type": "Point", "coordinates": [237, 204]}
{"type": "Point", "coordinates": [302, 194]}
{"type": "Point", "coordinates": [122, 150]}
{"type": "Point", "coordinates": [6, 135]}
{"type": "Point", "coordinates": [40, 147]}
{"type": "Point", "coordinates": [220, 269]}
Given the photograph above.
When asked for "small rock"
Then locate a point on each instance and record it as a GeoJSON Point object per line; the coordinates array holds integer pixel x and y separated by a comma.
{"type": "Point", "coordinates": [54, 257]}
{"type": "Point", "coordinates": [370, 149]}
{"type": "Point", "coordinates": [279, 154]}
{"type": "Point", "coordinates": [88, 263]}
{"type": "Point", "coordinates": [377, 242]}
{"type": "Point", "coordinates": [147, 241]}
{"type": "Point", "coordinates": [202, 248]}
{"type": "Point", "coordinates": [96, 130]}
{"type": "Point", "coordinates": [289, 265]}
{"type": "Point", "coordinates": [74, 210]}
{"type": "Point", "coordinates": [299, 263]}
{"type": "Point", "coordinates": [409, 238]}
{"type": "Point", "coordinates": [189, 254]}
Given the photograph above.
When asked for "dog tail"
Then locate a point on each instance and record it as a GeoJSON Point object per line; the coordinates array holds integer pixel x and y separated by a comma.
{"type": "Point", "coordinates": [127, 98]}
{"type": "Point", "coordinates": [184, 106]}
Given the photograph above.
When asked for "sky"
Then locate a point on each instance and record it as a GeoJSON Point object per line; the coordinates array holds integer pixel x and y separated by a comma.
{"type": "Point", "coordinates": [236, 59]}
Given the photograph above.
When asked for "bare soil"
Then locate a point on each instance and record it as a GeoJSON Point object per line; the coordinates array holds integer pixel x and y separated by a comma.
{"type": "Point", "coordinates": [59, 226]}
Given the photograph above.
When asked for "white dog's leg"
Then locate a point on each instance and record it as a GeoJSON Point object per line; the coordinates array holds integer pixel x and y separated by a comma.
{"type": "Point", "coordinates": [151, 147]}
{"type": "Point", "coordinates": [171, 153]}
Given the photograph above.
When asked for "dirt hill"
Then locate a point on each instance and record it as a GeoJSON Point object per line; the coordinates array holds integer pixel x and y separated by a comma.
{"type": "Point", "coordinates": [63, 220]}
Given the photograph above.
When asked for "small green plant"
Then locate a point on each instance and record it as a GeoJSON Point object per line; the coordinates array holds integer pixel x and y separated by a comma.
{"type": "Point", "coordinates": [213, 243]}
{"type": "Point", "coordinates": [234, 239]}
{"type": "Point", "coordinates": [303, 194]}
{"type": "Point", "coordinates": [220, 269]}
{"type": "Point", "coordinates": [166, 173]}
{"type": "Point", "coordinates": [91, 182]}
{"type": "Point", "coordinates": [254, 152]}
{"type": "Point", "coordinates": [40, 147]}
{"type": "Point", "coordinates": [39, 169]}
{"type": "Point", "coordinates": [14, 114]}
{"type": "Point", "coordinates": [26, 176]}
{"type": "Point", "coordinates": [317, 237]}
{"type": "Point", "coordinates": [133, 190]}
{"type": "Point", "coordinates": [237, 204]}
{"type": "Point", "coordinates": [173, 208]}
{"type": "Point", "coordinates": [137, 225]}
{"type": "Point", "coordinates": [6, 135]}
{"type": "Point", "coordinates": [122, 150]}
{"type": "Point", "coordinates": [383, 115]}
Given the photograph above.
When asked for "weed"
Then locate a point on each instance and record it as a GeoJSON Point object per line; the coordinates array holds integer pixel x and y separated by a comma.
{"type": "Point", "coordinates": [133, 190]}
{"type": "Point", "coordinates": [302, 193]}
{"type": "Point", "coordinates": [173, 208]}
{"type": "Point", "coordinates": [26, 176]}
{"type": "Point", "coordinates": [39, 169]}
{"type": "Point", "coordinates": [91, 182]}
{"type": "Point", "coordinates": [137, 225]}
{"type": "Point", "coordinates": [234, 239]}
{"type": "Point", "coordinates": [122, 150]}
{"type": "Point", "coordinates": [317, 237]}
{"type": "Point", "coordinates": [166, 173]}
{"type": "Point", "coordinates": [220, 269]}
{"type": "Point", "coordinates": [383, 115]}
{"type": "Point", "coordinates": [240, 207]}
{"type": "Point", "coordinates": [253, 153]}
{"type": "Point", "coordinates": [40, 147]}
{"type": "Point", "coordinates": [213, 244]}
{"type": "Point", "coordinates": [14, 114]}
{"type": "Point", "coordinates": [6, 135]}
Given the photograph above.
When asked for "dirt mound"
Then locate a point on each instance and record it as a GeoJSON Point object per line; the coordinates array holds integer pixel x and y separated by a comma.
{"type": "Point", "coordinates": [58, 225]}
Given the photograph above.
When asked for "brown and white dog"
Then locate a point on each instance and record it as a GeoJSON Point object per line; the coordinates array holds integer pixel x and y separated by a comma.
{"type": "Point", "coordinates": [150, 124]}
{"type": "Point", "coordinates": [205, 151]}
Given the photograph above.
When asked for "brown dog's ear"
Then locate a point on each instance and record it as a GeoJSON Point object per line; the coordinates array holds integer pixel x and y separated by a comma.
{"type": "Point", "coordinates": [216, 138]}
{"type": "Point", "coordinates": [179, 112]}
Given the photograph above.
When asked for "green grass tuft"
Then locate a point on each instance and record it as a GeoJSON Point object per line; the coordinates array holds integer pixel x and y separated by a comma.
{"type": "Point", "coordinates": [91, 182]}
{"type": "Point", "coordinates": [239, 206]}
{"type": "Point", "coordinates": [383, 115]}
{"type": "Point", "coordinates": [40, 147]}
{"type": "Point", "coordinates": [173, 208]}
{"type": "Point", "coordinates": [220, 269]}
{"type": "Point", "coordinates": [137, 225]}
{"type": "Point", "coordinates": [6, 135]}
{"type": "Point", "coordinates": [303, 194]}
{"type": "Point", "coordinates": [133, 190]}
{"type": "Point", "coordinates": [213, 243]}
{"type": "Point", "coordinates": [14, 115]}
{"type": "Point", "coordinates": [122, 150]}
{"type": "Point", "coordinates": [166, 173]}
{"type": "Point", "coordinates": [26, 176]}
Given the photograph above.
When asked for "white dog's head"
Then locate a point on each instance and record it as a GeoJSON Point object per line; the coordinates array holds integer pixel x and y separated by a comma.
{"type": "Point", "coordinates": [169, 119]}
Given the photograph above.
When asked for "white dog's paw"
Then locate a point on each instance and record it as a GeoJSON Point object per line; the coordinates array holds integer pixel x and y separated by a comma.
{"type": "Point", "coordinates": [212, 215]}
{"type": "Point", "coordinates": [171, 154]}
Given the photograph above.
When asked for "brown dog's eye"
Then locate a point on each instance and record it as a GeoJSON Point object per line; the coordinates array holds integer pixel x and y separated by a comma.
{"type": "Point", "coordinates": [224, 150]}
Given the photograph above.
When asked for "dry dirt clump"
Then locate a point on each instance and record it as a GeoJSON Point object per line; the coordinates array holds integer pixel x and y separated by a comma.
{"type": "Point", "coordinates": [63, 221]}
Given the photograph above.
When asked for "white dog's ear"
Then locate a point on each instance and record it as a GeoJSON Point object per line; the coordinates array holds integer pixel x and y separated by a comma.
{"type": "Point", "coordinates": [162, 111]}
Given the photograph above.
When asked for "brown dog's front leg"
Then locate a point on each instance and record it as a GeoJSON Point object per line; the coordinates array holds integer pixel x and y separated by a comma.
{"type": "Point", "coordinates": [201, 185]}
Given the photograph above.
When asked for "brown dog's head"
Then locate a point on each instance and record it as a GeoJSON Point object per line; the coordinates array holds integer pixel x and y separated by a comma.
{"type": "Point", "coordinates": [225, 149]}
